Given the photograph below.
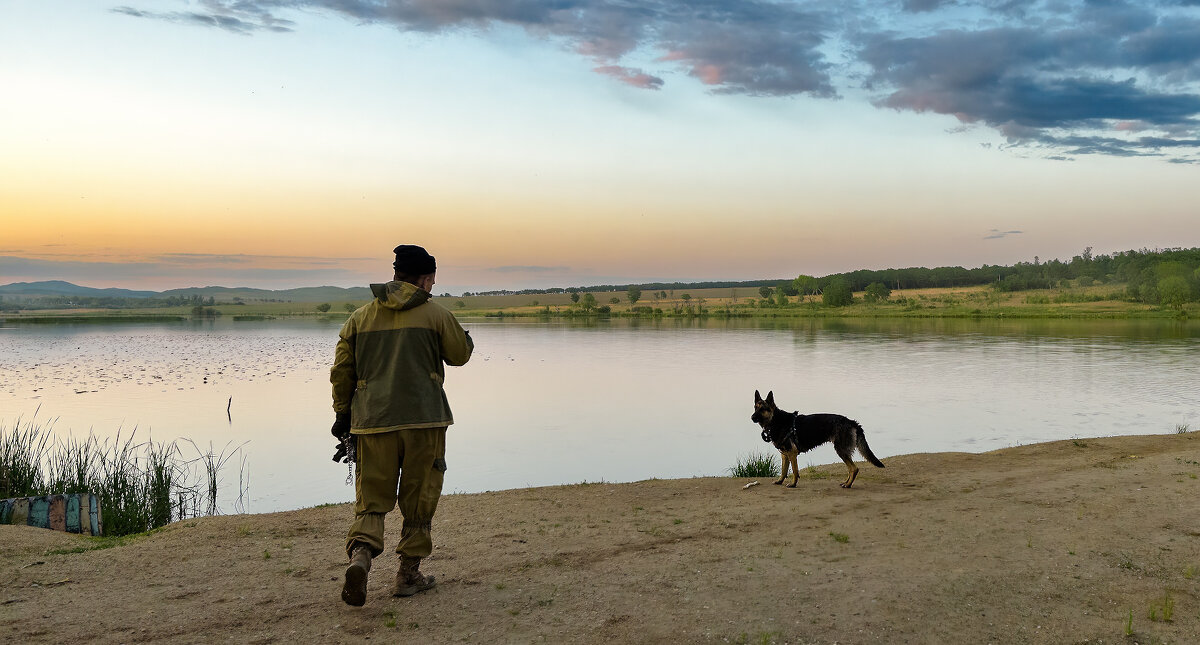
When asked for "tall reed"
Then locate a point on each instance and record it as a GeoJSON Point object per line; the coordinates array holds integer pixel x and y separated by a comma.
{"type": "Point", "coordinates": [213, 463]}
{"type": "Point", "coordinates": [21, 454]}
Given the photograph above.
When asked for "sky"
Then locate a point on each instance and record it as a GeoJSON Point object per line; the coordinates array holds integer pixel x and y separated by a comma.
{"type": "Point", "coordinates": [154, 144]}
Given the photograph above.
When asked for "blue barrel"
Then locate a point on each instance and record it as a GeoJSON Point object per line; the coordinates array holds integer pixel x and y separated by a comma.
{"type": "Point", "coordinates": [39, 512]}
{"type": "Point", "coordinates": [94, 515]}
{"type": "Point", "coordinates": [72, 518]}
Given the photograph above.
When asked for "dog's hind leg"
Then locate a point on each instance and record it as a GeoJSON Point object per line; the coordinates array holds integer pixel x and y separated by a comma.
{"type": "Point", "coordinates": [782, 469]}
{"type": "Point", "coordinates": [847, 455]}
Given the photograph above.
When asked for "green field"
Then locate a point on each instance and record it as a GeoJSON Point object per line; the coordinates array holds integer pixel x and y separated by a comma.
{"type": "Point", "coordinates": [1104, 301]}
{"type": "Point", "coordinates": [1096, 301]}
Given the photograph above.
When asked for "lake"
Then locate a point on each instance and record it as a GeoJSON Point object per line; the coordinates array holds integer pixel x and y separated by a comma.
{"type": "Point", "coordinates": [545, 403]}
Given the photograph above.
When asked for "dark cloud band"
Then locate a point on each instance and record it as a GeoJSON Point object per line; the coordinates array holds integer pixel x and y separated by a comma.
{"type": "Point", "coordinates": [1112, 77]}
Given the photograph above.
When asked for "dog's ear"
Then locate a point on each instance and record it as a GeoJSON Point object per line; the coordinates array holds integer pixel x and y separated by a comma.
{"type": "Point", "coordinates": [771, 398]}
{"type": "Point", "coordinates": [757, 397]}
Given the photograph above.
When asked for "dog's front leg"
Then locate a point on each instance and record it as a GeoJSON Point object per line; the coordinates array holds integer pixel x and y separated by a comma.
{"type": "Point", "coordinates": [795, 470]}
{"type": "Point", "coordinates": [783, 458]}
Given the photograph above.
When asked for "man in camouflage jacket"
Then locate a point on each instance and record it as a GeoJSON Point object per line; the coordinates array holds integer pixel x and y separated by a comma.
{"type": "Point", "coordinates": [388, 400]}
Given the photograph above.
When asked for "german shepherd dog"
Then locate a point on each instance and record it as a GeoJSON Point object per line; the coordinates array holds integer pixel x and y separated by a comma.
{"type": "Point", "coordinates": [793, 433]}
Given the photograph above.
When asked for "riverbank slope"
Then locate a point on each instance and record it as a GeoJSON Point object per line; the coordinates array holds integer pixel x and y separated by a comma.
{"type": "Point", "coordinates": [1052, 543]}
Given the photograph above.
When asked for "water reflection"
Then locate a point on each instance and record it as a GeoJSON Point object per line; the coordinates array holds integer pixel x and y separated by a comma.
{"type": "Point", "coordinates": [561, 402]}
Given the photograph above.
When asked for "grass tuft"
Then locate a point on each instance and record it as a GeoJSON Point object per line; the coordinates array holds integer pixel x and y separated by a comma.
{"type": "Point", "coordinates": [755, 464]}
{"type": "Point", "coordinates": [1163, 610]}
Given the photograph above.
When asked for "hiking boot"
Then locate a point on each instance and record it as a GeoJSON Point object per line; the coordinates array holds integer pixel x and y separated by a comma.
{"type": "Point", "coordinates": [409, 580]}
{"type": "Point", "coordinates": [354, 591]}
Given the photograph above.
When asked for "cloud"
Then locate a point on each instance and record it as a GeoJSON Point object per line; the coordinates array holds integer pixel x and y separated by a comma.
{"type": "Point", "coordinates": [237, 17]}
{"type": "Point", "coordinates": [918, 6]}
{"type": "Point", "coordinates": [1081, 78]}
{"type": "Point", "coordinates": [1066, 76]}
{"type": "Point", "coordinates": [756, 47]}
{"type": "Point", "coordinates": [188, 269]}
{"type": "Point", "coordinates": [529, 269]}
{"type": "Point", "coordinates": [630, 76]}
{"type": "Point", "coordinates": [208, 259]}
{"type": "Point", "coordinates": [996, 234]}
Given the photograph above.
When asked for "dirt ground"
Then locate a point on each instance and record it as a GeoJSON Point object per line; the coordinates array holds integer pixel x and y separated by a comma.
{"type": "Point", "coordinates": [1069, 542]}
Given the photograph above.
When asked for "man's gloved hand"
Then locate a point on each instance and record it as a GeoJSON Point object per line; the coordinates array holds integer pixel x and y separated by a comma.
{"type": "Point", "coordinates": [341, 425]}
{"type": "Point", "coordinates": [341, 432]}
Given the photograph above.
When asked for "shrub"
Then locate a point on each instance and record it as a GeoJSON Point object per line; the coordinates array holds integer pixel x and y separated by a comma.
{"type": "Point", "coordinates": [837, 294]}
{"type": "Point", "coordinates": [1173, 291]}
{"type": "Point", "coordinates": [877, 292]}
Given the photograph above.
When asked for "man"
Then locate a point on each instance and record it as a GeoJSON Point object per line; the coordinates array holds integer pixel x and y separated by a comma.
{"type": "Point", "coordinates": [389, 404]}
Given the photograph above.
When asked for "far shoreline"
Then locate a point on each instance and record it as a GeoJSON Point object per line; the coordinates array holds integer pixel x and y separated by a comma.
{"type": "Point", "coordinates": [1080, 303]}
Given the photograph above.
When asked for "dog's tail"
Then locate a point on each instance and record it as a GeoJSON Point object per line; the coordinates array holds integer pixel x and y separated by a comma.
{"type": "Point", "coordinates": [863, 448]}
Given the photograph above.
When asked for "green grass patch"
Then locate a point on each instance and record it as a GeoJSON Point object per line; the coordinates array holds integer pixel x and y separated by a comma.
{"type": "Point", "coordinates": [101, 542]}
{"type": "Point", "coordinates": [755, 465]}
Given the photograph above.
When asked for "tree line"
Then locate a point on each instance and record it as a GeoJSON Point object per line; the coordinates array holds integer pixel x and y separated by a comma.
{"type": "Point", "coordinates": [1160, 276]}
{"type": "Point", "coordinates": [1136, 267]}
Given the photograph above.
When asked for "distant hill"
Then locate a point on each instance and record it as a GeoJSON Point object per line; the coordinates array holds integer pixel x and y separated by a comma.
{"type": "Point", "coordinates": [61, 288]}
{"type": "Point", "coordinates": [303, 294]}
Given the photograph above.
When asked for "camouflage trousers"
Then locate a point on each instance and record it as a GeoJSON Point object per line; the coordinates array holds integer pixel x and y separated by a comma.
{"type": "Point", "coordinates": [405, 468]}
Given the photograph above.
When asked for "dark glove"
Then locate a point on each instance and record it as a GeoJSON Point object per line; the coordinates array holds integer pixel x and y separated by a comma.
{"type": "Point", "coordinates": [341, 425]}
{"type": "Point", "coordinates": [341, 432]}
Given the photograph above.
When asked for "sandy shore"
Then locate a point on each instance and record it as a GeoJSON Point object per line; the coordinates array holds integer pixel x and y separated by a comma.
{"type": "Point", "coordinates": [1048, 543]}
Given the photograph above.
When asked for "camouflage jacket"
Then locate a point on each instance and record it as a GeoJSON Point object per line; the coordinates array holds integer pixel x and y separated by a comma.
{"type": "Point", "coordinates": [388, 366]}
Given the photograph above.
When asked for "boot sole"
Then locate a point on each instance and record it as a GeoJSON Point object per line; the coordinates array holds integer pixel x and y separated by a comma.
{"type": "Point", "coordinates": [354, 591]}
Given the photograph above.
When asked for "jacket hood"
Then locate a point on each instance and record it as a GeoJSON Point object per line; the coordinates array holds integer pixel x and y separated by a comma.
{"type": "Point", "coordinates": [400, 296]}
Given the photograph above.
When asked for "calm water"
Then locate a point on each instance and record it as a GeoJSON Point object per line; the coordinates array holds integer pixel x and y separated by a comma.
{"type": "Point", "coordinates": [552, 403]}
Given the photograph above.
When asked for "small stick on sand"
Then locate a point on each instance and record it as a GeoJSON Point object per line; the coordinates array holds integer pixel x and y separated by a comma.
{"type": "Point", "coordinates": [753, 483]}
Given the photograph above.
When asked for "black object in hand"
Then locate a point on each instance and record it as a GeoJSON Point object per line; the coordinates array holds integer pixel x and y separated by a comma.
{"type": "Point", "coordinates": [341, 432]}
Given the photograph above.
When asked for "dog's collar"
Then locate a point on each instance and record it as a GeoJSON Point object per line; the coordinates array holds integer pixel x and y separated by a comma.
{"type": "Point", "coordinates": [766, 432]}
